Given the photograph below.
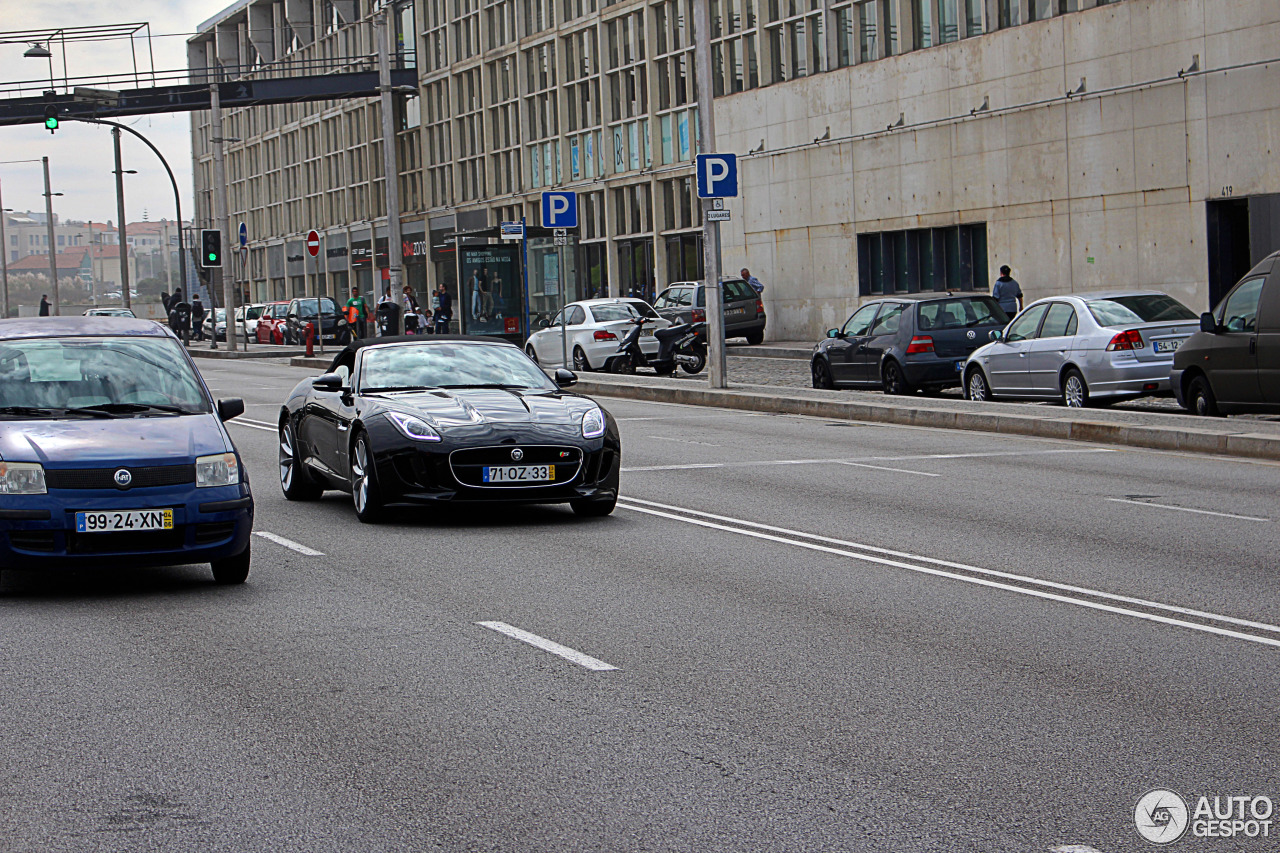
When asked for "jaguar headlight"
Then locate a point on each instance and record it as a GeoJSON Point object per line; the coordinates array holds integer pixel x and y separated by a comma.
{"type": "Point", "coordinates": [593, 424]}
{"type": "Point", "coordinates": [22, 478]}
{"type": "Point", "coordinates": [413, 427]}
{"type": "Point", "coordinates": [220, 469]}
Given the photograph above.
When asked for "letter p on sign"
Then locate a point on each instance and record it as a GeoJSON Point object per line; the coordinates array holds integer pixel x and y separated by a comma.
{"type": "Point", "coordinates": [560, 210]}
{"type": "Point", "coordinates": [717, 175]}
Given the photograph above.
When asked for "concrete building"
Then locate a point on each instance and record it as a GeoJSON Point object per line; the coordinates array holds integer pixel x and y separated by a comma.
{"type": "Point", "coordinates": [26, 234]}
{"type": "Point", "coordinates": [887, 145]}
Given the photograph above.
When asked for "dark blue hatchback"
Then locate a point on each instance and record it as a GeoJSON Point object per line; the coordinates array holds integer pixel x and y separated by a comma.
{"type": "Point", "coordinates": [113, 453]}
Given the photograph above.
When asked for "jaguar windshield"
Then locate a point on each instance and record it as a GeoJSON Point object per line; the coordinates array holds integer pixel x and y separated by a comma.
{"type": "Point", "coordinates": [449, 365]}
{"type": "Point", "coordinates": [97, 377]}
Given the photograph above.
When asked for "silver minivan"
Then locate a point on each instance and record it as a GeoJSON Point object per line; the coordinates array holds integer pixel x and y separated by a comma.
{"type": "Point", "coordinates": [1083, 349]}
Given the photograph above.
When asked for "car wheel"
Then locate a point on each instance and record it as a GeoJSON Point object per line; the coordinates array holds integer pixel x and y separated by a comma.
{"type": "Point", "coordinates": [822, 374]}
{"type": "Point", "coordinates": [699, 365]}
{"type": "Point", "coordinates": [975, 387]}
{"type": "Point", "coordinates": [233, 569]}
{"type": "Point", "coordinates": [756, 337]}
{"type": "Point", "coordinates": [533, 356]}
{"type": "Point", "coordinates": [580, 363]}
{"type": "Point", "coordinates": [594, 508]}
{"type": "Point", "coordinates": [1200, 399]}
{"type": "Point", "coordinates": [893, 380]}
{"type": "Point", "coordinates": [365, 494]}
{"type": "Point", "coordinates": [295, 481]}
{"type": "Point", "coordinates": [1075, 393]}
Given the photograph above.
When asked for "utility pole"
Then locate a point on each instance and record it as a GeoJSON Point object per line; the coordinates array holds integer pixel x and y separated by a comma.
{"type": "Point", "coordinates": [4, 259]}
{"type": "Point", "coordinates": [710, 230]}
{"type": "Point", "coordinates": [168, 261]}
{"type": "Point", "coordinates": [93, 270]}
{"type": "Point", "coordinates": [53, 243]}
{"type": "Point", "coordinates": [220, 222]}
{"type": "Point", "coordinates": [124, 243]}
{"type": "Point", "coordinates": [382, 31]}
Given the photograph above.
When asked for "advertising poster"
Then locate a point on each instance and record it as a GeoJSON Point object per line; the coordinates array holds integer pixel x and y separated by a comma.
{"type": "Point", "coordinates": [490, 291]}
{"type": "Point", "coordinates": [551, 274]}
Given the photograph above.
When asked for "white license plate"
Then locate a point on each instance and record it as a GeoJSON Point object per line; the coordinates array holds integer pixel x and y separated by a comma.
{"type": "Point", "coordinates": [1167, 346]}
{"type": "Point", "coordinates": [735, 312]}
{"type": "Point", "coordinates": [520, 474]}
{"type": "Point", "coordinates": [646, 333]}
{"type": "Point", "coordinates": [124, 521]}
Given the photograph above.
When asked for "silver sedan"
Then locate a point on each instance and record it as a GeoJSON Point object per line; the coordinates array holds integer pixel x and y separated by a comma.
{"type": "Point", "coordinates": [1090, 348]}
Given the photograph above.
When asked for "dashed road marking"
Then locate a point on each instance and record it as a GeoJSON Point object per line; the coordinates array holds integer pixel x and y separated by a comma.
{"type": "Point", "coordinates": [865, 459]}
{"type": "Point", "coordinates": [548, 646]}
{"type": "Point", "coordinates": [289, 543]}
{"type": "Point", "coordinates": [1187, 509]}
{"type": "Point", "coordinates": [250, 423]}
{"type": "Point", "coordinates": [885, 468]}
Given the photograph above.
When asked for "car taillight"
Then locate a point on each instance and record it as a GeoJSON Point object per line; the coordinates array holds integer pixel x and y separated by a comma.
{"type": "Point", "coordinates": [699, 315]}
{"type": "Point", "coordinates": [602, 335]}
{"type": "Point", "coordinates": [920, 343]}
{"type": "Point", "coordinates": [759, 306]}
{"type": "Point", "coordinates": [1132, 339]}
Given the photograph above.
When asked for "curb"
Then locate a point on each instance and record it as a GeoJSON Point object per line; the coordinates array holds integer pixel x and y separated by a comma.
{"type": "Point", "coordinates": [1184, 439]}
{"type": "Point", "coordinates": [225, 353]}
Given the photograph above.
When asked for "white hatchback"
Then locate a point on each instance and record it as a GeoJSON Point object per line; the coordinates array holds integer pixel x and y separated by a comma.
{"type": "Point", "coordinates": [588, 332]}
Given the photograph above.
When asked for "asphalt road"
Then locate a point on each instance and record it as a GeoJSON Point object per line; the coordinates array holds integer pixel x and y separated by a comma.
{"type": "Point", "coordinates": [800, 635]}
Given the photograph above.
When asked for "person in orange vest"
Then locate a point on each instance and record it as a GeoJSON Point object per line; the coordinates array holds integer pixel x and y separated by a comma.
{"type": "Point", "coordinates": [357, 313]}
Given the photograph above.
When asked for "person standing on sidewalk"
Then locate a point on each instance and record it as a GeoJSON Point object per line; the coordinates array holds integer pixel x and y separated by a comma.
{"type": "Point", "coordinates": [1007, 292]}
{"type": "Point", "coordinates": [445, 312]}
{"type": "Point", "coordinates": [357, 313]}
{"type": "Point", "coordinates": [197, 317]}
{"type": "Point", "coordinates": [44, 305]}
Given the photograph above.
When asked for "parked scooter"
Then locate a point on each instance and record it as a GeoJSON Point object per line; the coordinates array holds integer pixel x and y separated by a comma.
{"type": "Point", "coordinates": [684, 346]}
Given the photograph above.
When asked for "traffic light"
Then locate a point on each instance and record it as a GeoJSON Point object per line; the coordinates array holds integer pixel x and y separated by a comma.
{"type": "Point", "coordinates": [210, 248]}
{"type": "Point", "coordinates": [51, 118]}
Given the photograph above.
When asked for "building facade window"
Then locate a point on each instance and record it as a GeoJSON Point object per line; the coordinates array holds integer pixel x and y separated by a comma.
{"type": "Point", "coordinates": [628, 87]}
{"type": "Point", "coordinates": [923, 260]}
{"type": "Point", "coordinates": [541, 116]}
{"type": "Point", "coordinates": [504, 126]}
{"type": "Point", "coordinates": [469, 134]}
{"type": "Point", "coordinates": [437, 147]}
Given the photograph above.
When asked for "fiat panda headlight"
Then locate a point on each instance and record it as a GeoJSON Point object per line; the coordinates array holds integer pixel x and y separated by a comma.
{"type": "Point", "coordinates": [22, 478]}
{"type": "Point", "coordinates": [220, 469]}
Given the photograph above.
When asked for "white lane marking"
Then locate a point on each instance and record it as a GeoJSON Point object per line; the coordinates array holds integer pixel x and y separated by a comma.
{"type": "Point", "coordinates": [548, 646]}
{"type": "Point", "coordinates": [883, 468]}
{"type": "Point", "coordinates": [1188, 509]}
{"type": "Point", "coordinates": [680, 440]}
{"type": "Point", "coordinates": [250, 425]}
{"type": "Point", "coordinates": [857, 459]}
{"type": "Point", "coordinates": [1074, 848]}
{"type": "Point", "coordinates": [1124, 599]}
{"type": "Point", "coordinates": [289, 543]}
{"type": "Point", "coordinates": [1035, 593]}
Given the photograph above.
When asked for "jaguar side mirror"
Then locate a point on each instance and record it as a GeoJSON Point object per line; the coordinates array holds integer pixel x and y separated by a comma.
{"type": "Point", "coordinates": [1207, 323]}
{"type": "Point", "coordinates": [230, 408]}
{"type": "Point", "coordinates": [565, 378]}
{"type": "Point", "coordinates": [330, 382]}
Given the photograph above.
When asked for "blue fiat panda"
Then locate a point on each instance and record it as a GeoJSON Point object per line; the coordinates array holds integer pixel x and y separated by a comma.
{"type": "Point", "coordinates": [113, 453]}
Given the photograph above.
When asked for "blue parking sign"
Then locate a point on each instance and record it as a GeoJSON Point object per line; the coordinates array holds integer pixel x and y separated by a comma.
{"type": "Point", "coordinates": [560, 210]}
{"type": "Point", "coordinates": [717, 175]}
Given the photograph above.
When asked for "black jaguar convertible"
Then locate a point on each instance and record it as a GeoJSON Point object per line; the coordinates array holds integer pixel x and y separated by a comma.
{"type": "Point", "coordinates": [402, 421]}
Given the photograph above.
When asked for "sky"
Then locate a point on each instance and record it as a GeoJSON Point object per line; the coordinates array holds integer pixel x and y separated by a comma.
{"type": "Point", "coordinates": [81, 156]}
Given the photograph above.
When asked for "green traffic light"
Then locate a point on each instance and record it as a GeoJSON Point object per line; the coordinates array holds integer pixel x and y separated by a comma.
{"type": "Point", "coordinates": [212, 256]}
{"type": "Point", "coordinates": [51, 122]}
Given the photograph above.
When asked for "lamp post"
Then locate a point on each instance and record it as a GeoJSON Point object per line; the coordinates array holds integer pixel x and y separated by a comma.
{"type": "Point", "coordinates": [53, 242]}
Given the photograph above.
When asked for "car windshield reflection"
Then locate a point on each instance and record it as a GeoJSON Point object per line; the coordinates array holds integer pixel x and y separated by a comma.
{"type": "Point", "coordinates": [417, 366]}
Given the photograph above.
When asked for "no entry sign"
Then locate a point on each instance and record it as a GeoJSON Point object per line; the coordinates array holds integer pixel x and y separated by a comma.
{"type": "Point", "coordinates": [313, 243]}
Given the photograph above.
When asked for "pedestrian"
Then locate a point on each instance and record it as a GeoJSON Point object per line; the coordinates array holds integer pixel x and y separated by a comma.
{"type": "Point", "coordinates": [180, 318]}
{"type": "Point", "coordinates": [44, 305]}
{"type": "Point", "coordinates": [357, 313]}
{"type": "Point", "coordinates": [410, 305]}
{"type": "Point", "coordinates": [164, 300]}
{"type": "Point", "coordinates": [1007, 292]}
{"type": "Point", "coordinates": [444, 314]}
{"type": "Point", "coordinates": [755, 283]}
{"type": "Point", "coordinates": [197, 317]}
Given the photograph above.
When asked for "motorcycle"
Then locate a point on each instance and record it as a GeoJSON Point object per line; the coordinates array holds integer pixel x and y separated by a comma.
{"type": "Point", "coordinates": [681, 346]}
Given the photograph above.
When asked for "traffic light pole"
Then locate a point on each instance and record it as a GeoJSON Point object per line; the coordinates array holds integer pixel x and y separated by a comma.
{"type": "Point", "coordinates": [220, 223]}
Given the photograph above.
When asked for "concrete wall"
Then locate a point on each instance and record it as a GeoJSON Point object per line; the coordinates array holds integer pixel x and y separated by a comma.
{"type": "Point", "coordinates": [1102, 190]}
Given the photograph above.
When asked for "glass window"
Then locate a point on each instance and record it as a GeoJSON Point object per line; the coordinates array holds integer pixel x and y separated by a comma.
{"type": "Point", "coordinates": [1007, 13]}
{"type": "Point", "coordinates": [948, 21]}
{"type": "Point", "coordinates": [1024, 328]}
{"type": "Point", "coordinates": [860, 321]}
{"type": "Point", "coordinates": [1040, 10]}
{"type": "Point", "coordinates": [1140, 308]}
{"type": "Point", "coordinates": [922, 16]}
{"type": "Point", "coordinates": [961, 313]}
{"type": "Point", "coordinates": [1058, 322]}
{"type": "Point", "coordinates": [612, 312]}
{"type": "Point", "coordinates": [868, 31]}
{"type": "Point", "coordinates": [889, 319]}
{"type": "Point", "coordinates": [576, 315]}
{"type": "Point", "coordinates": [1239, 312]}
{"type": "Point", "coordinates": [449, 365]}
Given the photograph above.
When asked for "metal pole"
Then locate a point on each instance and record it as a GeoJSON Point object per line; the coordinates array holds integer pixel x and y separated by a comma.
{"type": "Point", "coordinates": [168, 261]}
{"type": "Point", "coordinates": [123, 240]}
{"type": "Point", "coordinates": [93, 260]}
{"type": "Point", "coordinates": [4, 260]}
{"type": "Point", "coordinates": [524, 273]}
{"type": "Point", "coordinates": [220, 222]}
{"type": "Point", "coordinates": [53, 243]}
{"type": "Point", "coordinates": [710, 230]}
{"type": "Point", "coordinates": [564, 321]}
{"type": "Point", "coordinates": [391, 173]}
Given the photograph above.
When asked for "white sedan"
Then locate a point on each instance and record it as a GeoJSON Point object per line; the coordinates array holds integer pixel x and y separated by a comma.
{"type": "Point", "coordinates": [593, 330]}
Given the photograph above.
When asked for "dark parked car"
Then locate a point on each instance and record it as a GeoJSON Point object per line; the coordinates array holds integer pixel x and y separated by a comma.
{"type": "Point", "coordinates": [446, 419]}
{"type": "Point", "coordinates": [905, 343]}
{"type": "Point", "coordinates": [324, 313]}
{"type": "Point", "coordinates": [113, 453]}
{"type": "Point", "coordinates": [1233, 363]}
{"type": "Point", "coordinates": [686, 302]}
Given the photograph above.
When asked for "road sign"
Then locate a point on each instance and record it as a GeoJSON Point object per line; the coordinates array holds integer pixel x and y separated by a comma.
{"type": "Point", "coordinates": [313, 243]}
{"type": "Point", "coordinates": [560, 241]}
{"type": "Point", "coordinates": [511, 231]}
{"type": "Point", "coordinates": [717, 215]}
{"type": "Point", "coordinates": [560, 210]}
{"type": "Point", "coordinates": [244, 235]}
{"type": "Point", "coordinates": [717, 175]}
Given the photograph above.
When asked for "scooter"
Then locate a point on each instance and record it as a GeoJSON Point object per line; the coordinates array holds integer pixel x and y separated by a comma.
{"type": "Point", "coordinates": [683, 346]}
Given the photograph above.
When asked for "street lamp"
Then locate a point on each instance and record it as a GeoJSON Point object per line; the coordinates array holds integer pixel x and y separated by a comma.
{"type": "Point", "coordinates": [38, 51]}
